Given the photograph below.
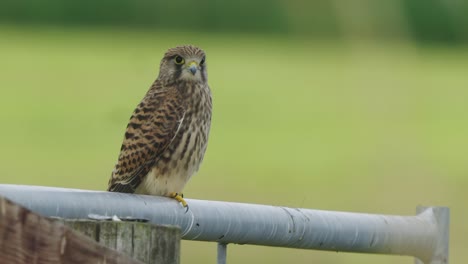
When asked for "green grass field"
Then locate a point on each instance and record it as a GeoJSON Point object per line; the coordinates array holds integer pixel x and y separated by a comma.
{"type": "Point", "coordinates": [364, 127]}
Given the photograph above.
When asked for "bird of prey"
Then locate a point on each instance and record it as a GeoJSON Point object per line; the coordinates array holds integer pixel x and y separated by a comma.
{"type": "Point", "coordinates": [167, 134]}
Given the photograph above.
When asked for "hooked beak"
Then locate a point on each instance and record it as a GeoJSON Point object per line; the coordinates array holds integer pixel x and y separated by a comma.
{"type": "Point", "coordinates": [193, 67]}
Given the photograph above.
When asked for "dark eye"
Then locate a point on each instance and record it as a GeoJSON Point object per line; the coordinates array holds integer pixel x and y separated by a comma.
{"type": "Point", "coordinates": [202, 61]}
{"type": "Point", "coordinates": [179, 60]}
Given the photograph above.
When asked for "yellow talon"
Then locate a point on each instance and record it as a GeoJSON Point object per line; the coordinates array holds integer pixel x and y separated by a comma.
{"type": "Point", "coordinates": [179, 198]}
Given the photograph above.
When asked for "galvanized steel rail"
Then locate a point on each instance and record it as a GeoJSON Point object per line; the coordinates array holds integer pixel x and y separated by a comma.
{"type": "Point", "coordinates": [424, 236]}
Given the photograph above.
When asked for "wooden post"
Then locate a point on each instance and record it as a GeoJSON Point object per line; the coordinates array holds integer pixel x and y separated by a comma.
{"type": "Point", "coordinates": [145, 242]}
{"type": "Point", "coordinates": [27, 237]}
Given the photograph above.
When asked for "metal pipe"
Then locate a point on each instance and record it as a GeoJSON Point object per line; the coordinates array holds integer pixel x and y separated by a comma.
{"type": "Point", "coordinates": [227, 222]}
{"type": "Point", "coordinates": [222, 253]}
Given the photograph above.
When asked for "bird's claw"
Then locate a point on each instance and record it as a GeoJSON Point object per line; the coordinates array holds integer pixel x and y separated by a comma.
{"type": "Point", "coordinates": [180, 199]}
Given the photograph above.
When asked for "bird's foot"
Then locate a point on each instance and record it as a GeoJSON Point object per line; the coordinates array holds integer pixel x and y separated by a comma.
{"type": "Point", "coordinates": [180, 199]}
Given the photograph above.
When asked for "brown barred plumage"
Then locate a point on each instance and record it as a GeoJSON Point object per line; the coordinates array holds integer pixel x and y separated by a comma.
{"type": "Point", "coordinates": [167, 135]}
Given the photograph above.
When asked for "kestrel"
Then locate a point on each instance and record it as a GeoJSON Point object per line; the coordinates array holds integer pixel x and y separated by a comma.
{"type": "Point", "coordinates": [167, 134]}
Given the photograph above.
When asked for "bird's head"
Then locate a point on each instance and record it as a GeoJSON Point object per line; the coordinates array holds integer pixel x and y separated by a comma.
{"type": "Point", "coordinates": [183, 63]}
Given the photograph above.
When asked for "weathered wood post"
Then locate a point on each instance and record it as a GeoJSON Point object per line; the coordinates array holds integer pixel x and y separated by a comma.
{"type": "Point", "coordinates": [145, 242]}
{"type": "Point", "coordinates": [26, 237]}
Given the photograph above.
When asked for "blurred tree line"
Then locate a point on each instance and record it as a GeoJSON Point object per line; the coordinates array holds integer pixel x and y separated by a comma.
{"type": "Point", "coordinates": [421, 20]}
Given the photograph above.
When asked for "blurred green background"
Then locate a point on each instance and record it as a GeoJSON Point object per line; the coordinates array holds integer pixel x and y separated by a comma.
{"type": "Point", "coordinates": [340, 105]}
